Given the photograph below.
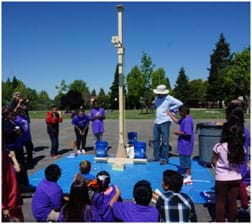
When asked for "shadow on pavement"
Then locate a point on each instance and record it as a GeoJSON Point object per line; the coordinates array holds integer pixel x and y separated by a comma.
{"type": "Point", "coordinates": [63, 151]}
{"type": "Point", "coordinates": [87, 149]}
{"type": "Point", "coordinates": [40, 148]}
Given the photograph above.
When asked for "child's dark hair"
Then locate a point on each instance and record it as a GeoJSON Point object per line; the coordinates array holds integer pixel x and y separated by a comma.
{"type": "Point", "coordinates": [79, 203]}
{"type": "Point", "coordinates": [237, 110]}
{"type": "Point", "coordinates": [52, 172]}
{"type": "Point", "coordinates": [184, 108]}
{"type": "Point", "coordinates": [85, 166]}
{"type": "Point", "coordinates": [173, 179]}
{"type": "Point", "coordinates": [142, 192]}
{"type": "Point", "coordinates": [103, 180]}
{"type": "Point", "coordinates": [52, 106]}
{"type": "Point", "coordinates": [233, 135]}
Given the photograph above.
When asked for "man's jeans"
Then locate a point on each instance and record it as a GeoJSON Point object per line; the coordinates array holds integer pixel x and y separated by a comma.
{"type": "Point", "coordinates": [164, 130]}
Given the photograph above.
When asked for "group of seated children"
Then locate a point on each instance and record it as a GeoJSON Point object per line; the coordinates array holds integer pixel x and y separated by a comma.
{"type": "Point", "coordinates": [105, 203]}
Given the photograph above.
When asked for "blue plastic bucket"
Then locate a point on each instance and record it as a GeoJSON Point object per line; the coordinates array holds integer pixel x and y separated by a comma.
{"type": "Point", "coordinates": [101, 149]}
{"type": "Point", "coordinates": [132, 137]}
{"type": "Point", "coordinates": [140, 150]}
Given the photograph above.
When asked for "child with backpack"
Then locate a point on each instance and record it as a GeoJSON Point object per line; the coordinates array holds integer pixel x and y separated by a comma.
{"type": "Point", "coordinates": [172, 205]}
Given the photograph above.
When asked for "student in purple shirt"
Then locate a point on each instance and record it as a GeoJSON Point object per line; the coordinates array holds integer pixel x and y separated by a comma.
{"type": "Point", "coordinates": [47, 200]}
{"type": "Point", "coordinates": [185, 140]}
{"type": "Point", "coordinates": [78, 208]}
{"type": "Point", "coordinates": [23, 121]}
{"type": "Point", "coordinates": [138, 211]}
{"type": "Point", "coordinates": [97, 115]}
{"type": "Point", "coordinates": [81, 123]}
{"type": "Point", "coordinates": [100, 203]}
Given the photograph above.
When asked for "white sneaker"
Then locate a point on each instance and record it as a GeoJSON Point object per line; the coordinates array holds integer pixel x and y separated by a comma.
{"type": "Point", "coordinates": [83, 151]}
{"type": "Point", "coordinates": [78, 152]}
{"type": "Point", "coordinates": [187, 179]}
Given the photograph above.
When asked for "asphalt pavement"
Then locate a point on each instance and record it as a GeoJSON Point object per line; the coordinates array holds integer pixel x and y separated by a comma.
{"type": "Point", "coordinates": [41, 156]}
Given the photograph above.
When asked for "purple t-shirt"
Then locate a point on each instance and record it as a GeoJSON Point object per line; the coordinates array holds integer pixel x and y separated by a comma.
{"type": "Point", "coordinates": [48, 196]}
{"type": "Point", "coordinates": [186, 143]}
{"type": "Point", "coordinates": [132, 212]}
{"type": "Point", "coordinates": [82, 121]}
{"type": "Point", "coordinates": [22, 121]}
{"type": "Point", "coordinates": [101, 210]}
{"type": "Point", "coordinates": [245, 171]}
{"type": "Point", "coordinates": [97, 125]}
{"type": "Point", "coordinates": [87, 215]}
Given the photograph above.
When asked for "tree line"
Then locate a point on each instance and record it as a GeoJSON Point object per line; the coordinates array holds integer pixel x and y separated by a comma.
{"type": "Point", "coordinates": [229, 78]}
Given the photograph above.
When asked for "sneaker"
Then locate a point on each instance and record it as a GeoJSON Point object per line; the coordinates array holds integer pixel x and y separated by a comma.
{"type": "Point", "coordinates": [78, 152]}
{"type": "Point", "coordinates": [83, 151]}
{"type": "Point", "coordinates": [163, 162]}
{"type": "Point", "coordinates": [187, 179]}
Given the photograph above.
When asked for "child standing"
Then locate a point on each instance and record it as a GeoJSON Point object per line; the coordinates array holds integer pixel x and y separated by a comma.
{"type": "Point", "coordinates": [97, 116]}
{"type": "Point", "coordinates": [85, 167]}
{"type": "Point", "coordinates": [81, 123]}
{"type": "Point", "coordinates": [185, 140]}
{"type": "Point", "coordinates": [172, 205]}
{"type": "Point", "coordinates": [47, 200]}
{"type": "Point", "coordinates": [228, 155]}
{"type": "Point", "coordinates": [53, 119]}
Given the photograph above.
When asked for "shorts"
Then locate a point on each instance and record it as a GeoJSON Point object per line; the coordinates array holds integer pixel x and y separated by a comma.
{"type": "Point", "coordinates": [185, 161]}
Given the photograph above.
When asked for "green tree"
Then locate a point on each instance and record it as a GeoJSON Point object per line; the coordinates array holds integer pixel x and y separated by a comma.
{"type": "Point", "coordinates": [168, 84]}
{"type": "Point", "coordinates": [43, 101]}
{"type": "Point", "coordinates": [7, 92]}
{"type": "Point", "coordinates": [147, 69]}
{"type": "Point", "coordinates": [114, 93]}
{"type": "Point", "coordinates": [81, 86]}
{"type": "Point", "coordinates": [237, 77]}
{"type": "Point", "coordinates": [197, 94]}
{"type": "Point", "coordinates": [103, 99]}
{"type": "Point", "coordinates": [181, 90]}
{"type": "Point", "coordinates": [220, 59]}
{"type": "Point", "coordinates": [62, 88]}
{"type": "Point", "coordinates": [14, 82]}
{"type": "Point", "coordinates": [93, 93]}
{"type": "Point", "coordinates": [135, 86]}
{"type": "Point", "coordinates": [158, 78]}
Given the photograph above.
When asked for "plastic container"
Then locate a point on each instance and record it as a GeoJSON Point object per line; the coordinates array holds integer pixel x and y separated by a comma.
{"type": "Point", "coordinates": [209, 135]}
{"type": "Point", "coordinates": [140, 150]}
{"type": "Point", "coordinates": [132, 137]}
{"type": "Point", "coordinates": [101, 149]}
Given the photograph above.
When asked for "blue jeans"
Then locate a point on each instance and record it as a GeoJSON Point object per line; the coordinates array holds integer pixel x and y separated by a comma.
{"type": "Point", "coordinates": [164, 130]}
{"type": "Point", "coordinates": [55, 144]}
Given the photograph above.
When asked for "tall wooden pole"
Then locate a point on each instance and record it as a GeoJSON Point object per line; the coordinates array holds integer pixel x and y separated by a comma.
{"type": "Point", "coordinates": [120, 52]}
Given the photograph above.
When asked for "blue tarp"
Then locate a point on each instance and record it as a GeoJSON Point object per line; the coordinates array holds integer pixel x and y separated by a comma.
{"type": "Point", "coordinates": [125, 180]}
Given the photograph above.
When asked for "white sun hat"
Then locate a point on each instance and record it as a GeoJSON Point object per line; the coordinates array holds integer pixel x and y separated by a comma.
{"type": "Point", "coordinates": [161, 89]}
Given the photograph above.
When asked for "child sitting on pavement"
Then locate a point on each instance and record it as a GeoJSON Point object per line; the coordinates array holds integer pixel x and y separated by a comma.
{"type": "Point", "coordinates": [48, 197]}
{"type": "Point", "coordinates": [138, 211]}
{"type": "Point", "coordinates": [100, 202]}
{"type": "Point", "coordinates": [85, 167]}
{"type": "Point", "coordinates": [185, 140]}
{"type": "Point", "coordinates": [174, 206]}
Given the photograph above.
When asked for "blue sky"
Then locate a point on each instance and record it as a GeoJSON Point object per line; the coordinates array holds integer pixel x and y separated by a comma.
{"type": "Point", "coordinates": [44, 43]}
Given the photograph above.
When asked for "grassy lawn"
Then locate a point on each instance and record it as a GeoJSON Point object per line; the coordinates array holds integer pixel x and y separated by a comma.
{"type": "Point", "coordinates": [136, 114]}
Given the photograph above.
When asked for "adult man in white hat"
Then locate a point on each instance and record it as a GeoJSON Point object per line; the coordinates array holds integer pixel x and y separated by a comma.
{"type": "Point", "coordinates": [163, 104]}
